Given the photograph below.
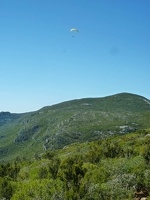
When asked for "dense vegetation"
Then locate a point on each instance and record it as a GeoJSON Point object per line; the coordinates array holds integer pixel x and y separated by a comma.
{"type": "Point", "coordinates": [107, 169]}
{"type": "Point", "coordinates": [88, 149]}
{"type": "Point", "coordinates": [54, 127]}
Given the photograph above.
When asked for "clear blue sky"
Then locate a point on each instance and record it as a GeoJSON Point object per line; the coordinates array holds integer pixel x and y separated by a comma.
{"type": "Point", "coordinates": [42, 64]}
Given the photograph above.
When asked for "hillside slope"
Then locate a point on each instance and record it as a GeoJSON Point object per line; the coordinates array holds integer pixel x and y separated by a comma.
{"type": "Point", "coordinates": [112, 168]}
{"type": "Point", "coordinates": [7, 117]}
{"type": "Point", "coordinates": [88, 119]}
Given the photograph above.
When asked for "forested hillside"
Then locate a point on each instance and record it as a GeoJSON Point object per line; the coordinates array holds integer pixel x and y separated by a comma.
{"type": "Point", "coordinates": [112, 168]}
{"type": "Point", "coordinates": [80, 120]}
{"type": "Point", "coordinates": [86, 149]}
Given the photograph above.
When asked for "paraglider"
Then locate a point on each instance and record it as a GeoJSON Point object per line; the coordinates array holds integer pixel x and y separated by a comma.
{"type": "Point", "coordinates": [74, 29]}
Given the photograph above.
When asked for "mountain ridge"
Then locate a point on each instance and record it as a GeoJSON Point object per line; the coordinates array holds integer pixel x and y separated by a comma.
{"type": "Point", "coordinates": [78, 120]}
{"type": "Point", "coordinates": [81, 99]}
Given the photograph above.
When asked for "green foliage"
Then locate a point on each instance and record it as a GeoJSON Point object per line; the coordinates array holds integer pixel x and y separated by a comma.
{"type": "Point", "coordinates": [108, 169]}
{"type": "Point", "coordinates": [6, 189]}
{"type": "Point", "coordinates": [44, 189]}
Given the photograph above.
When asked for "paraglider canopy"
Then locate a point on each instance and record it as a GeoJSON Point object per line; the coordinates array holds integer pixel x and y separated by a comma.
{"type": "Point", "coordinates": [74, 29]}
